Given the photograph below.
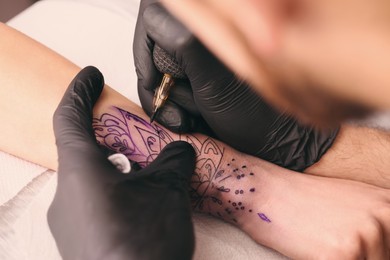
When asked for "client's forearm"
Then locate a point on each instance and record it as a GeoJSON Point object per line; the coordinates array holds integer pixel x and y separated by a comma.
{"type": "Point", "coordinates": [224, 180]}
{"type": "Point", "coordinates": [273, 205]}
{"type": "Point", "coordinates": [33, 79]}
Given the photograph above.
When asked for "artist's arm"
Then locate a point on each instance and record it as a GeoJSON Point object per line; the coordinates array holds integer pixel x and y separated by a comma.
{"type": "Point", "coordinates": [359, 153]}
{"type": "Point", "coordinates": [241, 118]}
{"type": "Point", "coordinates": [298, 215]}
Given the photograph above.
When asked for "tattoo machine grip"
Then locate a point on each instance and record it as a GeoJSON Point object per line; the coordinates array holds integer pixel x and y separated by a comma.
{"type": "Point", "coordinates": [167, 64]}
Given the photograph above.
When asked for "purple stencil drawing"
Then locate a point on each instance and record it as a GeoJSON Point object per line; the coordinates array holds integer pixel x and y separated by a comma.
{"type": "Point", "coordinates": [264, 217]}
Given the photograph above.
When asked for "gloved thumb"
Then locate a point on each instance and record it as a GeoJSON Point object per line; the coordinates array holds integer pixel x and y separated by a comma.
{"type": "Point", "coordinates": [161, 189]}
{"type": "Point", "coordinates": [157, 201]}
{"type": "Point", "coordinates": [176, 162]}
{"type": "Point", "coordinates": [72, 119]}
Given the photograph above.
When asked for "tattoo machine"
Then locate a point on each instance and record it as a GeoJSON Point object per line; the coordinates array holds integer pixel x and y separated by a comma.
{"type": "Point", "coordinates": [166, 64]}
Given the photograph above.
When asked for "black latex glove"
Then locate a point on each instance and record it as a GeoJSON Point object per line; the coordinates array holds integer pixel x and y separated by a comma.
{"type": "Point", "coordinates": [100, 213]}
{"type": "Point", "coordinates": [236, 114]}
{"type": "Point", "coordinates": [177, 120]}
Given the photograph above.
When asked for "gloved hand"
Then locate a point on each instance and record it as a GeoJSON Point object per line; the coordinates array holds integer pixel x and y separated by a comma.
{"type": "Point", "coordinates": [236, 114]}
{"type": "Point", "coordinates": [100, 213]}
{"type": "Point", "coordinates": [177, 120]}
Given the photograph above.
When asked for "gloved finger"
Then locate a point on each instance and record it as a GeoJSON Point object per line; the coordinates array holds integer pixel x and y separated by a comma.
{"type": "Point", "coordinates": [172, 116]}
{"type": "Point", "coordinates": [72, 119]}
{"type": "Point", "coordinates": [72, 122]}
{"type": "Point", "coordinates": [165, 29]}
{"type": "Point", "coordinates": [182, 95]}
{"type": "Point", "coordinates": [184, 47]}
{"type": "Point", "coordinates": [147, 74]}
{"type": "Point", "coordinates": [175, 162]}
{"type": "Point", "coordinates": [160, 189]}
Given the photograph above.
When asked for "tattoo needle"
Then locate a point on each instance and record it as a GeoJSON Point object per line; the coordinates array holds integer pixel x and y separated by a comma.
{"type": "Point", "coordinates": [166, 64]}
{"type": "Point", "coordinates": [161, 94]}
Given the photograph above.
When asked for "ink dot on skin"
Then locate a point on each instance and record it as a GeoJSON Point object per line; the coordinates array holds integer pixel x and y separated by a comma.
{"type": "Point", "coordinates": [251, 173]}
{"type": "Point", "coordinates": [250, 210]}
{"type": "Point", "coordinates": [229, 201]}
{"type": "Point", "coordinates": [264, 217]}
{"type": "Point", "coordinates": [252, 190]}
{"type": "Point", "coordinates": [228, 164]}
{"type": "Point", "coordinates": [241, 192]}
{"type": "Point", "coordinates": [239, 203]}
{"type": "Point", "coordinates": [244, 166]}
{"type": "Point", "coordinates": [238, 177]}
{"type": "Point", "coordinates": [242, 175]}
{"type": "Point", "coordinates": [237, 191]}
{"type": "Point", "coordinates": [234, 204]}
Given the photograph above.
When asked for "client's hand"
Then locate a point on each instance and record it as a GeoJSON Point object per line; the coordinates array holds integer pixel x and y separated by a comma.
{"type": "Point", "coordinates": [303, 216]}
{"type": "Point", "coordinates": [100, 213]}
{"type": "Point", "coordinates": [234, 112]}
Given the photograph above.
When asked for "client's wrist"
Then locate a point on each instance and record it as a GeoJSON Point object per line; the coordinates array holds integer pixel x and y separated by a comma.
{"type": "Point", "coordinates": [238, 189]}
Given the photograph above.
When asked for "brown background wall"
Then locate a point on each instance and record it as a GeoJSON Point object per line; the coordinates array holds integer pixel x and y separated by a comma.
{"type": "Point", "coordinates": [10, 8]}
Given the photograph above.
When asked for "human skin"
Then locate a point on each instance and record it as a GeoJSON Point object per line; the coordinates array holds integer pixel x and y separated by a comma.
{"type": "Point", "coordinates": [279, 206]}
{"type": "Point", "coordinates": [358, 153]}
{"type": "Point", "coordinates": [318, 59]}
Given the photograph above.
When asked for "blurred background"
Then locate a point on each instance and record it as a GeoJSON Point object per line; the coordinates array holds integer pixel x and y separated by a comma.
{"type": "Point", "coordinates": [10, 8]}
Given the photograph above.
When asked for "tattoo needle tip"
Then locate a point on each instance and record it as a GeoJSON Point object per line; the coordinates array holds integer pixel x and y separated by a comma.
{"type": "Point", "coordinates": [153, 116]}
